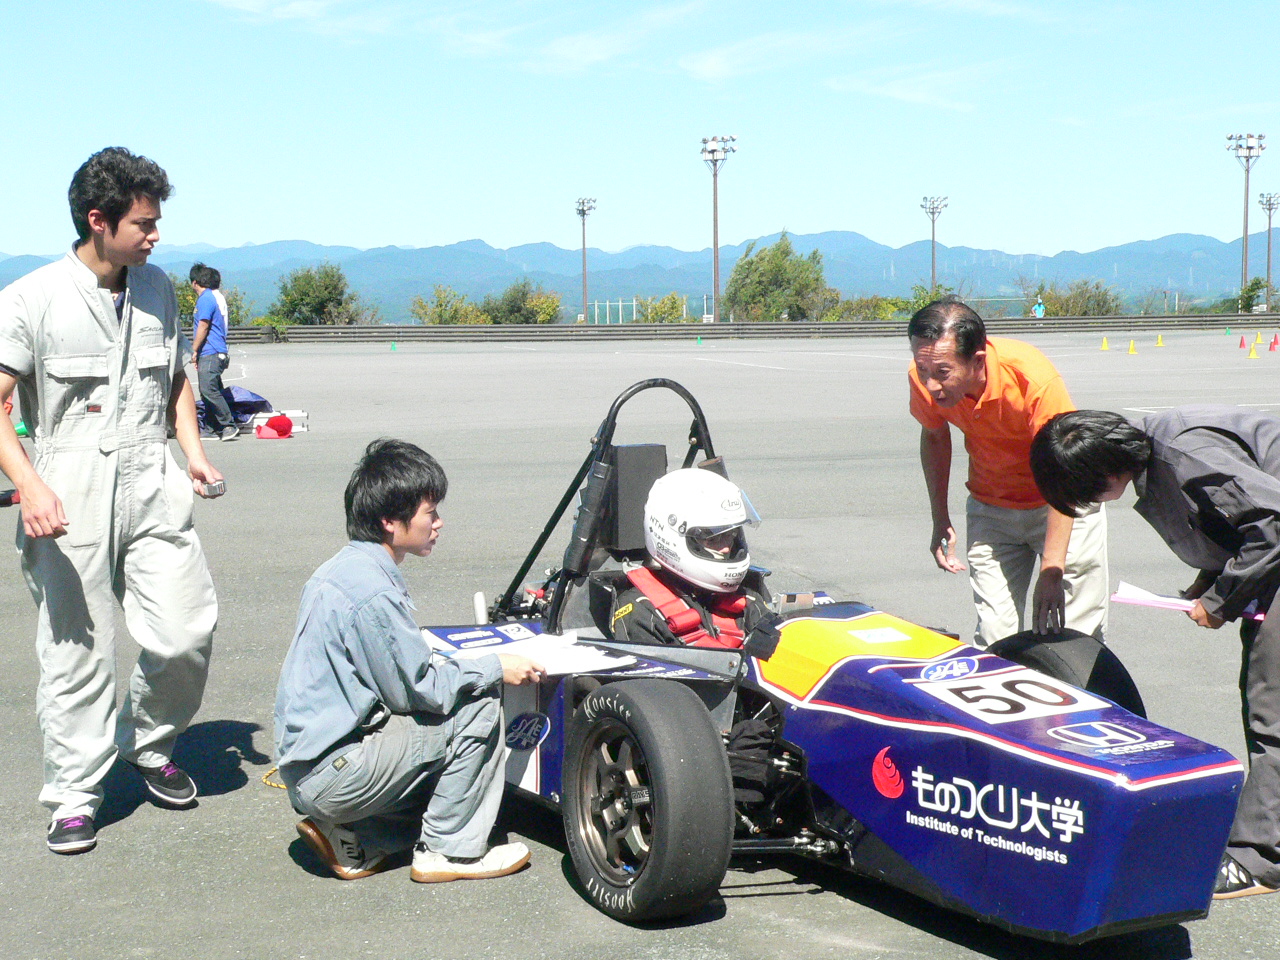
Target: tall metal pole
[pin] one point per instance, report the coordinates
(933, 206)
(585, 206)
(715, 151)
(1248, 148)
(1269, 202)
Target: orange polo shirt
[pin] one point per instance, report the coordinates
(1024, 391)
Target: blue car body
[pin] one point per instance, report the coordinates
(971, 781)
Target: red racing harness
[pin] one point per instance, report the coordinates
(685, 621)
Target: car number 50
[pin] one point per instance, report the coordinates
(1020, 694)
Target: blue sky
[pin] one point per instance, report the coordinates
(1050, 124)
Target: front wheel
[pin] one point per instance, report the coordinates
(648, 800)
(1076, 658)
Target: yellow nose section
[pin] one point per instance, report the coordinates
(811, 646)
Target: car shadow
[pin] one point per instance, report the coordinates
(1171, 942)
(535, 822)
(213, 752)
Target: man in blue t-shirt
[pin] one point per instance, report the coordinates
(210, 347)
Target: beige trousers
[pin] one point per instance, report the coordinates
(1004, 546)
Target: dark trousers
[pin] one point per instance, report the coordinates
(217, 413)
(1255, 834)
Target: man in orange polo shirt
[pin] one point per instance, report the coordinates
(999, 392)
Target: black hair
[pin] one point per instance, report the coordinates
(1076, 455)
(935, 320)
(110, 181)
(206, 276)
(389, 483)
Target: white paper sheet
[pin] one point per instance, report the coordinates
(560, 655)
(1128, 593)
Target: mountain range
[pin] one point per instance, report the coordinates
(1195, 267)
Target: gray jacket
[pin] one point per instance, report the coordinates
(357, 648)
(1212, 491)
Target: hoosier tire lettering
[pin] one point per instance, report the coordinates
(648, 800)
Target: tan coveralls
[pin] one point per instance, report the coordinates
(95, 391)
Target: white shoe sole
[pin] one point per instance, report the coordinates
(460, 872)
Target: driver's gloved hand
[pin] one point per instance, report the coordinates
(763, 638)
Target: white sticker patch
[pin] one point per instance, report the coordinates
(515, 631)
(880, 635)
(1012, 695)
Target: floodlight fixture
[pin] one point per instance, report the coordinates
(715, 151)
(1247, 148)
(933, 206)
(585, 206)
(1269, 202)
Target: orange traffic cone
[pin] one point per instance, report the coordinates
(1274, 344)
(1242, 343)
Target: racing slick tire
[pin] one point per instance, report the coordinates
(1076, 658)
(648, 800)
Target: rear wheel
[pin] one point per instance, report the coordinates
(648, 801)
(1076, 658)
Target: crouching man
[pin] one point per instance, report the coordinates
(385, 747)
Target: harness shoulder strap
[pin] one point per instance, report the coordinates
(684, 621)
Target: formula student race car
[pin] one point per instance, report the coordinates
(1011, 785)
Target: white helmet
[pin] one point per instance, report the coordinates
(687, 507)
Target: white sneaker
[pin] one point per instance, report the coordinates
(432, 867)
(340, 849)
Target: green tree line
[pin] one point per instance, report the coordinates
(767, 284)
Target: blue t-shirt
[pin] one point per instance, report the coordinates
(208, 309)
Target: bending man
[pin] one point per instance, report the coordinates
(999, 392)
(1208, 481)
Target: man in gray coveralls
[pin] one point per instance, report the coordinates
(1208, 481)
(93, 344)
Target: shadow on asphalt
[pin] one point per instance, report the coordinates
(213, 753)
(1164, 943)
(543, 826)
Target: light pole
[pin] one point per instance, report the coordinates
(933, 206)
(715, 151)
(1269, 202)
(585, 206)
(1248, 148)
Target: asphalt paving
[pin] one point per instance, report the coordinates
(816, 431)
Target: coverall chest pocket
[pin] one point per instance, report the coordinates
(75, 387)
(153, 376)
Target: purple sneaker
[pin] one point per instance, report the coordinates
(72, 835)
(169, 784)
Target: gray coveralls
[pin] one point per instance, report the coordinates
(1212, 491)
(94, 390)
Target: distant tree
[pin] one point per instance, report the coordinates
(447, 306)
(867, 309)
(522, 302)
(776, 283)
(922, 296)
(319, 295)
(1248, 298)
(668, 309)
(1081, 298)
(1151, 301)
(238, 305)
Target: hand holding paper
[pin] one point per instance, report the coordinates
(1128, 593)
